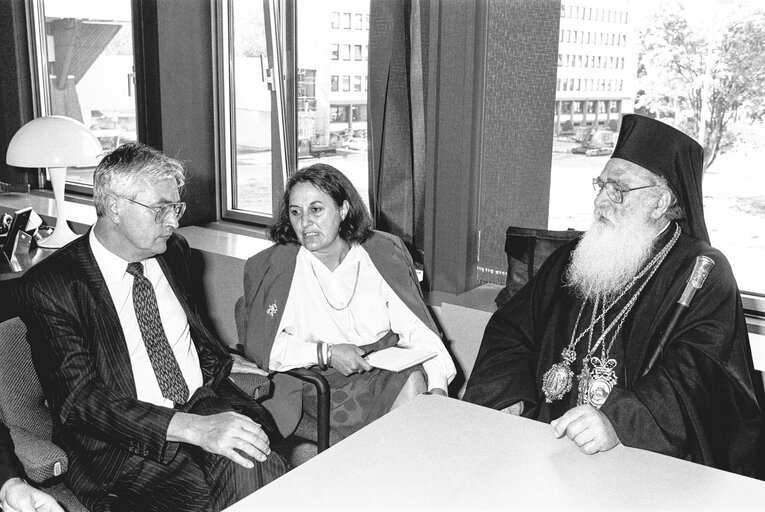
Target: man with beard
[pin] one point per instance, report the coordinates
(573, 346)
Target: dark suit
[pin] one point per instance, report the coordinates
(115, 442)
(10, 467)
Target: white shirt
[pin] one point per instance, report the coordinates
(374, 310)
(174, 321)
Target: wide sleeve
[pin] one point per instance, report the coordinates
(66, 363)
(699, 401)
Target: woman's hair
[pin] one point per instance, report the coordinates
(130, 168)
(357, 225)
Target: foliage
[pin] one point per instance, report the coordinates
(709, 79)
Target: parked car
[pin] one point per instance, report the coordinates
(356, 144)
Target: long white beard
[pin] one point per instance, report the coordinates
(610, 254)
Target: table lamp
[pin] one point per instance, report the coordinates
(54, 142)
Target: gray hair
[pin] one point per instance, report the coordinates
(130, 168)
(674, 210)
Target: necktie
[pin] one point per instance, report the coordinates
(171, 381)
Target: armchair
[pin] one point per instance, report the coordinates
(305, 374)
(24, 411)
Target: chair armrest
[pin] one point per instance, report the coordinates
(41, 458)
(322, 403)
(253, 385)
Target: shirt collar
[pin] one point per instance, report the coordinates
(112, 267)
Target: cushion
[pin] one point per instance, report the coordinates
(23, 406)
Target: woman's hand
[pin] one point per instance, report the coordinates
(346, 358)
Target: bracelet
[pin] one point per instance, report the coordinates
(320, 356)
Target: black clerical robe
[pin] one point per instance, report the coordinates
(700, 401)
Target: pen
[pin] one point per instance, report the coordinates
(365, 354)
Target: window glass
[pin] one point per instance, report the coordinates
(87, 56)
(250, 173)
(712, 41)
(338, 122)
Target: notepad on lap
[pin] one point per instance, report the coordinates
(396, 359)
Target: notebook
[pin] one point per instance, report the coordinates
(396, 359)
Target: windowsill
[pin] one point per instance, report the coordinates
(224, 238)
(240, 242)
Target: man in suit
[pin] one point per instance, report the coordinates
(15, 493)
(139, 387)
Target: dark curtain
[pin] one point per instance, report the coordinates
(398, 59)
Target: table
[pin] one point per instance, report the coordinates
(438, 453)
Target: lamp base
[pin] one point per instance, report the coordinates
(61, 236)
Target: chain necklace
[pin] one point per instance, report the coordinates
(558, 380)
(353, 294)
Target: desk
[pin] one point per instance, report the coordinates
(439, 454)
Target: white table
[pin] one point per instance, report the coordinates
(437, 453)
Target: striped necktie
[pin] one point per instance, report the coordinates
(171, 381)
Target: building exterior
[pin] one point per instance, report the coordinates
(597, 59)
(332, 72)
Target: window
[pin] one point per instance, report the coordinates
(357, 52)
(306, 90)
(359, 19)
(85, 61)
(269, 130)
(338, 114)
(357, 83)
(359, 113)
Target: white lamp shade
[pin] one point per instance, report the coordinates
(53, 141)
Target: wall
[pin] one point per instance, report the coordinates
(517, 134)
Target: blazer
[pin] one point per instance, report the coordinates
(80, 355)
(10, 467)
(267, 281)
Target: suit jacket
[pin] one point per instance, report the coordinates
(267, 281)
(10, 467)
(80, 355)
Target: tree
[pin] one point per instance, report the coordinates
(703, 80)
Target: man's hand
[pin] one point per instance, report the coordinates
(346, 358)
(516, 409)
(588, 428)
(242, 365)
(226, 433)
(18, 496)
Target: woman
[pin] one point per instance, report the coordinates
(327, 292)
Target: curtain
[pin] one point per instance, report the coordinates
(398, 58)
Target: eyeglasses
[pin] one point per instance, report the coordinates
(162, 212)
(614, 192)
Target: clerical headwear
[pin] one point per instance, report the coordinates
(670, 153)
